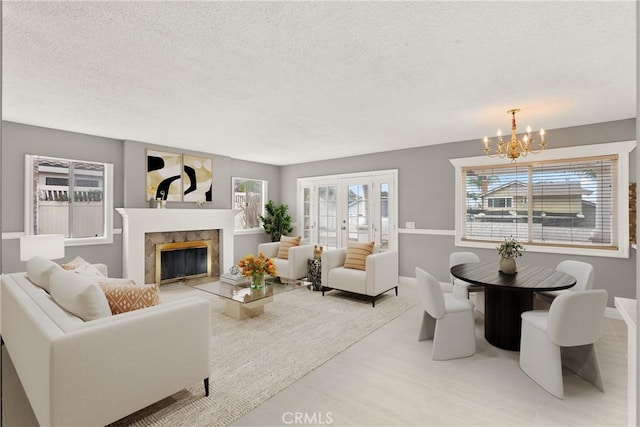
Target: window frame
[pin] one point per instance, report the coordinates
(107, 211)
(621, 149)
(265, 198)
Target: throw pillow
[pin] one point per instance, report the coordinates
(82, 267)
(357, 255)
(39, 271)
(79, 295)
(124, 295)
(285, 244)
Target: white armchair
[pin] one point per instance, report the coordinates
(293, 268)
(380, 274)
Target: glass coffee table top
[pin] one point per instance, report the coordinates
(243, 293)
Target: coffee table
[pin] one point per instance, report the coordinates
(242, 302)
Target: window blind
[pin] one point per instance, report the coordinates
(569, 202)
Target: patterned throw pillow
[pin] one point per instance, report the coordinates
(285, 244)
(124, 295)
(357, 255)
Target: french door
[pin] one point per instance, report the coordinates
(354, 207)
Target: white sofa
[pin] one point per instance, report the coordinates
(380, 274)
(78, 373)
(293, 268)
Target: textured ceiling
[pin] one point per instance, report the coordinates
(290, 82)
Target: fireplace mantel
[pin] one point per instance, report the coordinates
(138, 221)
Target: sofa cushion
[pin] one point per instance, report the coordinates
(357, 254)
(79, 295)
(82, 267)
(286, 243)
(39, 271)
(124, 295)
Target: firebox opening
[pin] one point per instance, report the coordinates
(182, 261)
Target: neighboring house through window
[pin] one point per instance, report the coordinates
(69, 197)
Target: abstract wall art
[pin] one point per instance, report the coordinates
(197, 179)
(164, 176)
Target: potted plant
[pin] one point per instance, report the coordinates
(509, 250)
(277, 221)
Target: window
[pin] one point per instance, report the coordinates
(556, 204)
(249, 196)
(69, 197)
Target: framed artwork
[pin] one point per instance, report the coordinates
(197, 179)
(164, 176)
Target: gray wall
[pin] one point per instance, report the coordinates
(129, 159)
(18, 140)
(425, 176)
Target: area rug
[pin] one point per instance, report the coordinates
(254, 359)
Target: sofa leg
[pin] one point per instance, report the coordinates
(206, 387)
(396, 291)
(373, 302)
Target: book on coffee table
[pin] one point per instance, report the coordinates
(234, 279)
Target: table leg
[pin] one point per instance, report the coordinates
(502, 321)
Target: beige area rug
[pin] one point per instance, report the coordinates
(254, 359)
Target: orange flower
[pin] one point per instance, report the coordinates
(251, 265)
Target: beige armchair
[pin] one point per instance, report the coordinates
(293, 268)
(379, 276)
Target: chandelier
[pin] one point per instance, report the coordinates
(516, 147)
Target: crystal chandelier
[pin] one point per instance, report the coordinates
(516, 147)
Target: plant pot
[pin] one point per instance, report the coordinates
(508, 265)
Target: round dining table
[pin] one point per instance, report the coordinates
(507, 296)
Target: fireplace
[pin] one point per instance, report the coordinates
(180, 242)
(167, 226)
(182, 261)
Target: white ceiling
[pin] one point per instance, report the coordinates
(290, 82)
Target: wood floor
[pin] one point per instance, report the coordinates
(389, 379)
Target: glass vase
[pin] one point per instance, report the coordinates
(257, 281)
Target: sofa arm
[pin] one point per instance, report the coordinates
(114, 366)
(298, 256)
(331, 258)
(270, 250)
(382, 272)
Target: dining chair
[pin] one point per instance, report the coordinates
(582, 271)
(461, 288)
(446, 319)
(563, 335)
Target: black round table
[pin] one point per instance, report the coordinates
(507, 296)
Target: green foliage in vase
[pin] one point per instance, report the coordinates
(510, 248)
(277, 221)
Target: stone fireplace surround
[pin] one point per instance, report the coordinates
(137, 222)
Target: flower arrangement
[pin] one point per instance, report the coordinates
(510, 248)
(257, 267)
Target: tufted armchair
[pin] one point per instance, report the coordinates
(379, 276)
(293, 268)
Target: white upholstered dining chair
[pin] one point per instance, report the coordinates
(563, 335)
(461, 288)
(446, 318)
(582, 271)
